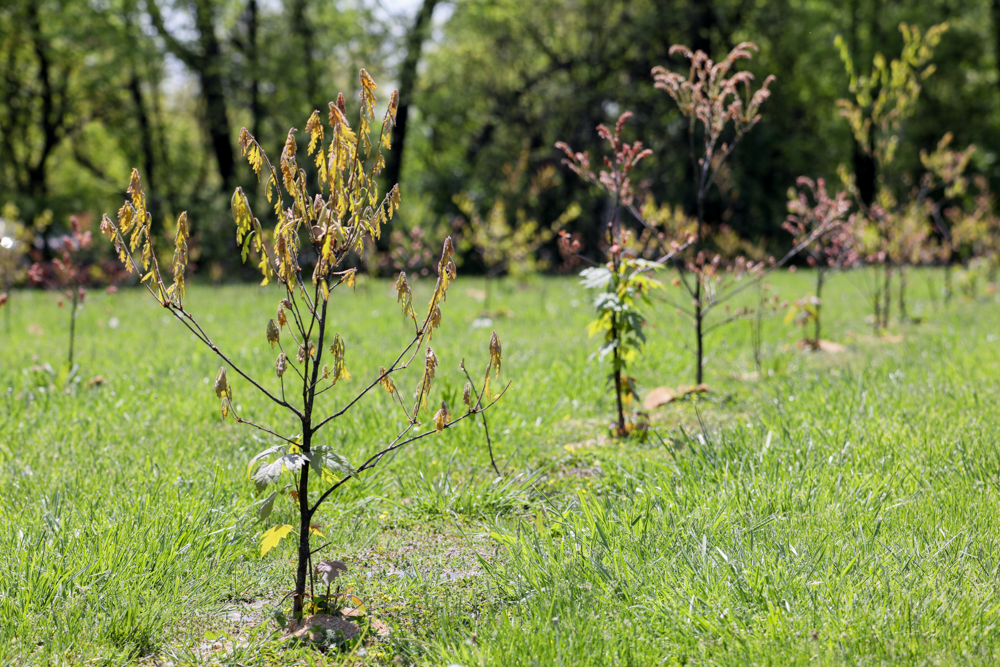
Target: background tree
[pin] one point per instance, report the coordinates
(813, 213)
(487, 79)
(712, 98)
(882, 101)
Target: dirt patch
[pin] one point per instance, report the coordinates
(331, 629)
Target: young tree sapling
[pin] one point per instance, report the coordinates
(319, 224)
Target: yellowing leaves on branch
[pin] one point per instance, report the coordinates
(319, 221)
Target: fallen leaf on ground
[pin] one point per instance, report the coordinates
(477, 294)
(663, 395)
(657, 397)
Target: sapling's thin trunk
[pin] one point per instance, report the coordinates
(931, 287)
(302, 571)
(72, 322)
(820, 276)
(310, 379)
(699, 311)
(902, 293)
(887, 295)
(947, 283)
(757, 328)
(876, 300)
(620, 427)
(698, 320)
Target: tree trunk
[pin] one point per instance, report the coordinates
(876, 300)
(758, 323)
(148, 149)
(305, 519)
(995, 11)
(703, 21)
(53, 121)
(302, 28)
(212, 80)
(72, 321)
(209, 64)
(620, 426)
(407, 83)
(947, 283)
(256, 109)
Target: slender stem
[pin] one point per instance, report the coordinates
(72, 322)
(887, 294)
(620, 426)
(757, 328)
(820, 275)
(240, 420)
(486, 427)
(291, 363)
(902, 293)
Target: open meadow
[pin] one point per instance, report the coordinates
(617, 332)
(839, 508)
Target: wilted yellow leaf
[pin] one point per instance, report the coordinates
(272, 537)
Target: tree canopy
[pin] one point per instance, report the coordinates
(90, 89)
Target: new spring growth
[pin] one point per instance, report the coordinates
(441, 417)
(272, 332)
(330, 569)
(224, 391)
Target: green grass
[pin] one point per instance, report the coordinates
(840, 510)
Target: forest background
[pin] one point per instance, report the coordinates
(91, 88)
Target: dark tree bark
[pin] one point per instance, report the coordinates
(256, 108)
(303, 29)
(53, 99)
(145, 130)
(407, 82)
(865, 167)
(703, 20)
(995, 11)
(208, 63)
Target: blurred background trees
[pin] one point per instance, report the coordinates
(90, 88)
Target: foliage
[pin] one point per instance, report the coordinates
(977, 227)
(67, 273)
(882, 102)
(711, 100)
(507, 240)
(334, 218)
(12, 250)
(812, 213)
(886, 97)
(622, 283)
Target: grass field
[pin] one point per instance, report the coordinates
(841, 509)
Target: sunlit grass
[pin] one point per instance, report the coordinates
(841, 509)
